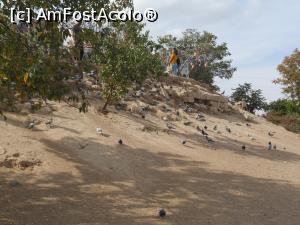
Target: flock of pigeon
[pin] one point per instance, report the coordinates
(203, 132)
(162, 212)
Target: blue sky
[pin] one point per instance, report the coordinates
(259, 33)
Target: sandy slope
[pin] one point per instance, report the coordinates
(89, 179)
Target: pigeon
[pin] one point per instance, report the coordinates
(228, 130)
(244, 147)
(162, 213)
(31, 125)
(199, 116)
(204, 133)
(99, 131)
(184, 142)
(120, 142)
(49, 123)
(205, 127)
(215, 128)
(143, 117)
(248, 125)
(209, 140)
(178, 113)
(270, 134)
(170, 126)
(83, 146)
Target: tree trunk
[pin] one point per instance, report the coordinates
(106, 102)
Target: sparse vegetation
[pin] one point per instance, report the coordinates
(286, 112)
(253, 98)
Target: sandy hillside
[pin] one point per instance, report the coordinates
(67, 173)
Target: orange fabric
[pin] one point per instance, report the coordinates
(173, 58)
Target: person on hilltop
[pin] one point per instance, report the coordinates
(173, 62)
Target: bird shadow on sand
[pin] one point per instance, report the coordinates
(127, 185)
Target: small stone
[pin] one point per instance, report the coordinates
(16, 155)
(14, 183)
(2, 151)
(187, 123)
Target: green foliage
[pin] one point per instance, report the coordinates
(253, 98)
(193, 41)
(124, 58)
(285, 112)
(36, 63)
(284, 107)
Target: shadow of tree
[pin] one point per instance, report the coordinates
(123, 185)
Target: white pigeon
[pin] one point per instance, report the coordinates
(99, 131)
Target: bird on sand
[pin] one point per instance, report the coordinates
(215, 128)
(49, 122)
(170, 126)
(228, 129)
(120, 142)
(204, 133)
(184, 142)
(205, 127)
(31, 125)
(199, 129)
(162, 213)
(244, 147)
(209, 140)
(270, 134)
(99, 131)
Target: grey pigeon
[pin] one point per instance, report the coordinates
(49, 123)
(209, 140)
(199, 129)
(199, 116)
(228, 130)
(31, 125)
(170, 126)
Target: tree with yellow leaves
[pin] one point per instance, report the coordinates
(290, 71)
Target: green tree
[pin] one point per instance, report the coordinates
(284, 107)
(253, 98)
(290, 72)
(124, 58)
(218, 64)
(33, 59)
(36, 63)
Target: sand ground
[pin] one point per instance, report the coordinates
(89, 179)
